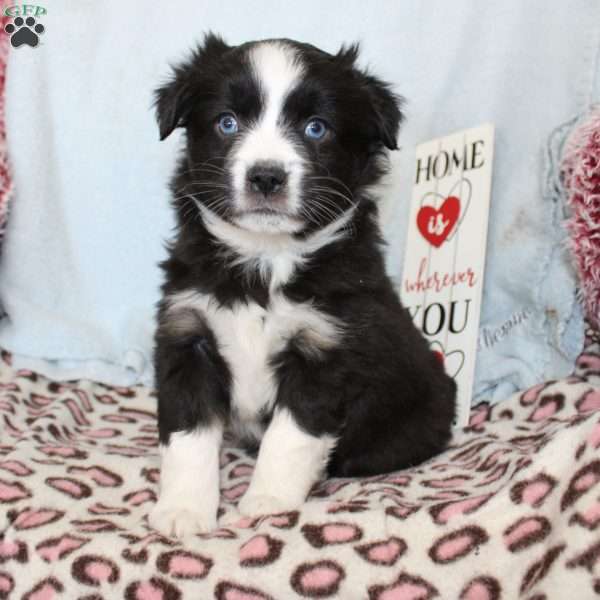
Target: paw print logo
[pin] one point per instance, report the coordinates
(24, 31)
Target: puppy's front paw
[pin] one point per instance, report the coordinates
(253, 505)
(181, 521)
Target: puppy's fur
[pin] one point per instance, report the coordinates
(278, 320)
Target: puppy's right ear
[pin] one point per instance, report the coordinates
(174, 100)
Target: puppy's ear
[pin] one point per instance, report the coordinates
(174, 99)
(386, 111)
(384, 104)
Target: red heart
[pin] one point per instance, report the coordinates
(436, 224)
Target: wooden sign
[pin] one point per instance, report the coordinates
(444, 262)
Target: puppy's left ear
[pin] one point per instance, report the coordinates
(387, 116)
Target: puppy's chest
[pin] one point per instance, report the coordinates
(249, 336)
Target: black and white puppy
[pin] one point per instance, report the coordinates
(278, 321)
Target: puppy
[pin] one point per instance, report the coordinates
(278, 321)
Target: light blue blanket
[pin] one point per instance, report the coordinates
(78, 276)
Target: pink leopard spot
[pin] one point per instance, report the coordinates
(479, 416)
(444, 512)
(11, 492)
(255, 549)
(241, 471)
(71, 487)
(533, 491)
(182, 564)
(585, 482)
(454, 548)
(590, 402)
(15, 467)
(8, 549)
(284, 520)
(401, 511)
(94, 570)
(446, 495)
(448, 482)
(589, 361)
(230, 591)
(46, 592)
(260, 551)
(336, 534)
(481, 588)
(99, 475)
(385, 553)
(6, 584)
(29, 519)
(64, 451)
(234, 492)
(241, 595)
(404, 591)
(317, 579)
(406, 587)
(137, 498)
(530, 396)
(457, 544)
(56, 548)
(146, 591)
(525, 532)
(331, 533)
(103, 433)
(279, 521)
(244, 522)
(592, 514)
(94, 525)
(397, 479)
(544, 411)
(382, 553)
(594, 437)
(98, 571)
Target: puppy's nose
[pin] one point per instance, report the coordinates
(267, 178)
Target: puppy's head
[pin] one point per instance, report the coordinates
(281, 136)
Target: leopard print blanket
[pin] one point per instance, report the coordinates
(510, 510)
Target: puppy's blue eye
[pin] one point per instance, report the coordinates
(228, 124)
(315, 129)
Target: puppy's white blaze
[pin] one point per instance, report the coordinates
(189, 481)
(289, 462)
(248, 335)
(274, 256)
(277, 70)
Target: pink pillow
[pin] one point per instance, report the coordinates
(581, 178)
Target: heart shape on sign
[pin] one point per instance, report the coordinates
(438, 225)
(453, 361)
(435, 224)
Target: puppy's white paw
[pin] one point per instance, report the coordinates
(253, 505)
(181, 521)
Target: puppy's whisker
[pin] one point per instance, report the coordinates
(323, 211)
(334, 179)
(327, 204)
(329, 190)
(199, 192)
(206, 169)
